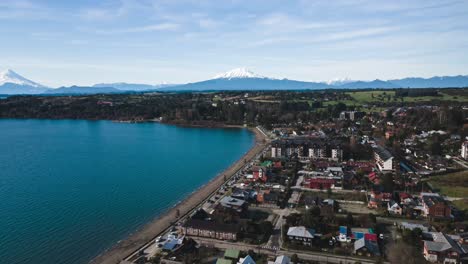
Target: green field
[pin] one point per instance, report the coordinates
(452, 185)
(461, 204)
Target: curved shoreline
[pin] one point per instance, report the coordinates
(126, 247)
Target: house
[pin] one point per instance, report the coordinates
(329, 178)
(366, 247)
(378, 198)
(434, 206)
(443, 248)
(242, 194)
(247, 260)
(301, 234)
(374, 178)
(358, 233)
(210, 229)
(233, 203)
(383, 158)
(259, 173)
(173, 242)
(394, 208)
(281, 260)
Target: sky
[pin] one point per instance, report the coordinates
(83, 42)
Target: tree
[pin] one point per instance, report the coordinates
(294, 258)
(402, 252)
(387, 182)
(350, 219)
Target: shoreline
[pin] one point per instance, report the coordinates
(149, 231)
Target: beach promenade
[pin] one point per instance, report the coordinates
(148, 232)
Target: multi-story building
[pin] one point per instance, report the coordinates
(383, 158)
(352, 115)
(307, 148)
(434, 206)
(464, 150)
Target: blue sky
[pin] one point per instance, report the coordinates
(58, 42)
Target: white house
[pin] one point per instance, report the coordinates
(394, 208)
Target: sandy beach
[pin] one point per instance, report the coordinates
(151, 230)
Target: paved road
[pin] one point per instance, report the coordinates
(461, 162)
(300, 188)
(305, 255)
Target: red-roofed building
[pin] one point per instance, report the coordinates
(374, 178)
(278, 165)
(259, 174)
(319, 183)
(371, 237)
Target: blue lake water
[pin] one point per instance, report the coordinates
(70, 189)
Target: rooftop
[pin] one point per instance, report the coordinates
(301, 231)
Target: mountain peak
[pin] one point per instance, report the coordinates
(238, 73)
(339, 81)
(9, 76)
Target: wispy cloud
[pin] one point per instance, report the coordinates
(139, 29)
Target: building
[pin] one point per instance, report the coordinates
(301, 234)
(307, 148)
(336, 153)
(464, 150)
(233, 203)
(443, 248)
(281, 260)
(394, 208)
(351, 115)
(259, 173)
(330, 178)
(210, 229)
(247, 260)
(434, 206)
(366, 247)
(383, 159)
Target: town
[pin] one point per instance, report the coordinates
(380, 183)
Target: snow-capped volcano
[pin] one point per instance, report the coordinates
(339, 81)
(238, 73)
(10, 76)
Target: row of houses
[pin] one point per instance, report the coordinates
(444, 248)
(429, 205)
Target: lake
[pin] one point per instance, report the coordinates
(70, 189)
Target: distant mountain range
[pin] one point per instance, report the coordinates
(134, 86)
(237, 79)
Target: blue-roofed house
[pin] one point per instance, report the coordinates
(363, 247)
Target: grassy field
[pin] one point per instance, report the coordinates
(461, 204)
(369, 97)
(453, 184)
